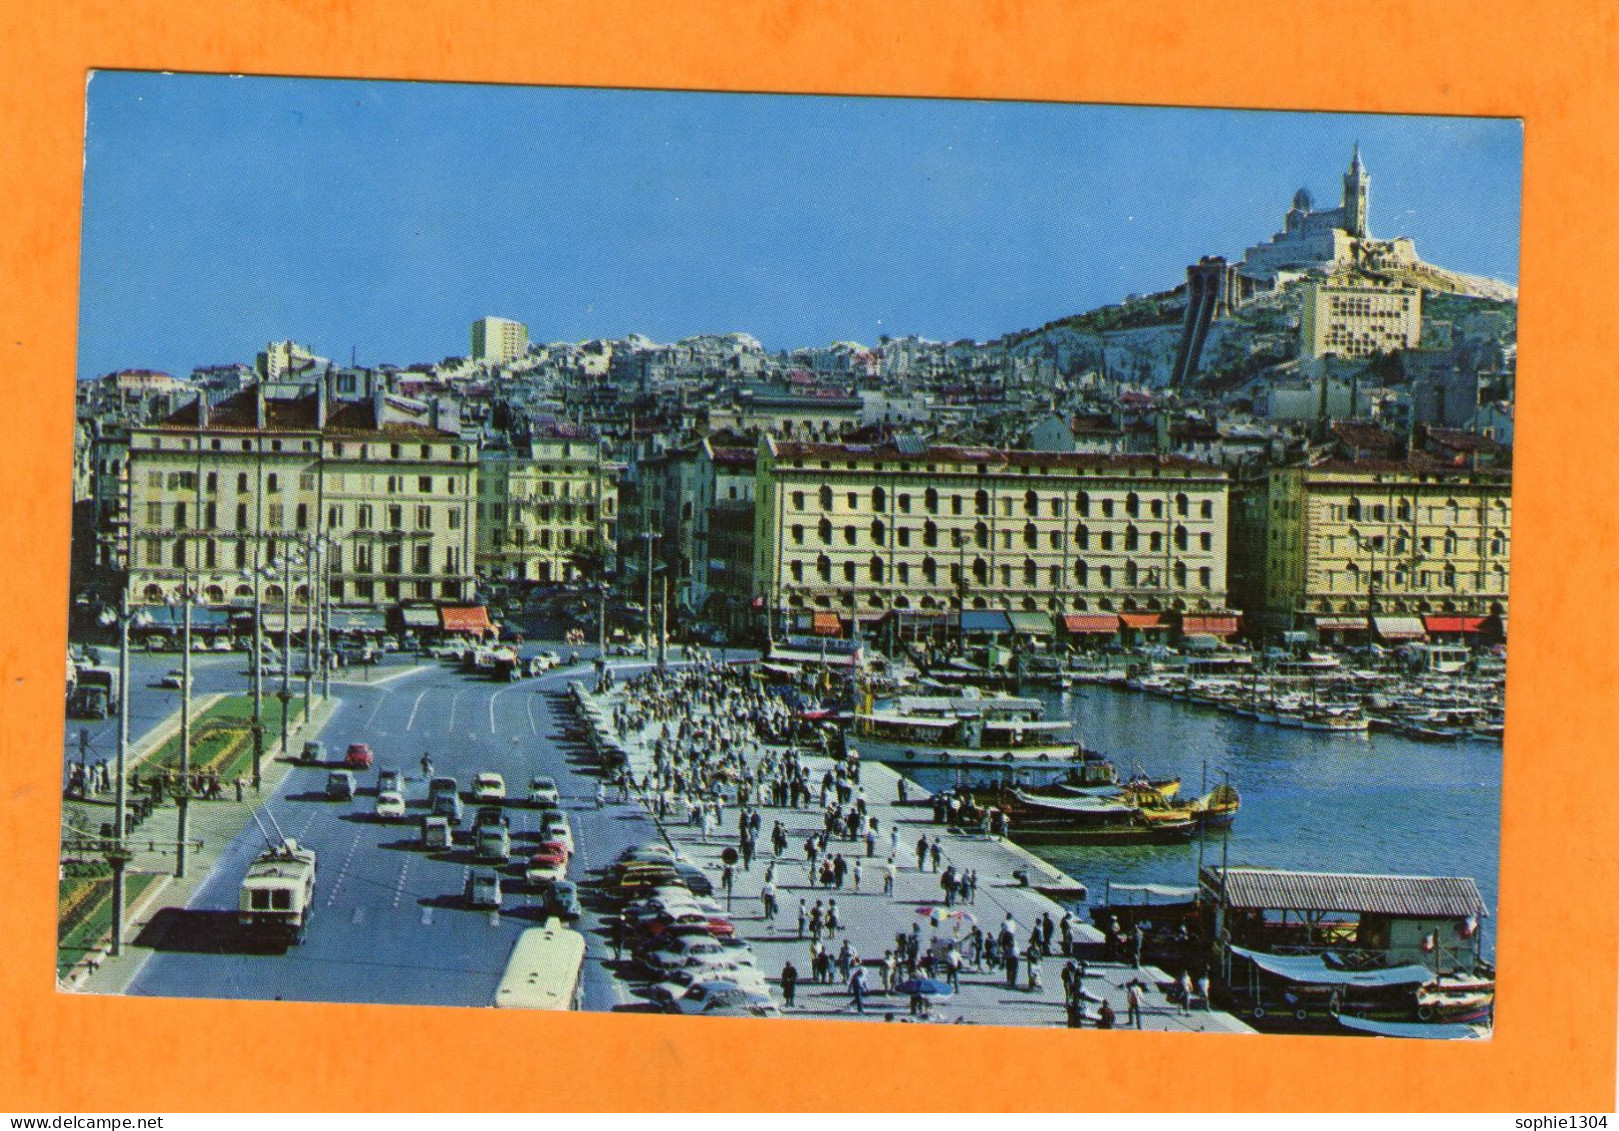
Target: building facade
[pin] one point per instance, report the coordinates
(217, 492)
(498, 341)
(869, 528)
(1359, 319)
(547, 507)
(1372, 537)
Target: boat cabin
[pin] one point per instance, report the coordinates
(1363, 920)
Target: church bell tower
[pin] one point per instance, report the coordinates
(1357, 188)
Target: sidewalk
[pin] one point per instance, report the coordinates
(216, 824)
(872, 919)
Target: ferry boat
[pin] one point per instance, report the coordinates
(966, 726)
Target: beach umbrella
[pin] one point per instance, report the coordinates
(927, 987)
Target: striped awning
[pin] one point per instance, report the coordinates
(1454, 624)
(1142, 620)
(1399, 628)
(827, 624)
(1221, 625)
(1093, 623)
(1340, 624)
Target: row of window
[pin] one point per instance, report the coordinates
(543, 512)
(276, 516)
(981, 503)
(540, 539)
(548, 488)
(392, 484)
(1404, 510)
(1131, 575)
(1355, 580)
(206, 553)
(364, 590)
(362, 451)
(982, 537)
(1493, 546)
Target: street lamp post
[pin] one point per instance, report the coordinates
(286, 648)
(326, 618)
(258, 576)
(312, 556)
(117, 852)
(601, 619)
(182, 796)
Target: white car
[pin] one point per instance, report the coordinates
(543, 793)
(224, 644)
(390, 805)
(720, 992)
(549, 660)
(174, 679)
(668, 991)
(695, 950)
(488, 788)
(555, 827)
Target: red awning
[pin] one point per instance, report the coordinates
(474, 620)
(1209, 626)
(1454, 624)
(1142, 620)
(827, 624)
(1092, 622)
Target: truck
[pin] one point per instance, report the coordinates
(95, 693)
(278, 893)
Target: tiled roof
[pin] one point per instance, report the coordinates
(1421, 897)
(999, 457)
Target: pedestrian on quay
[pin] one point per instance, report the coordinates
(815, 922)
(1132, 998)
(921, 853)
(937, 852)
(1066, 928)
(1105, 1017)
(803, 917)
(889, 870)
(952, 966)
(789, 984)
(857, 987)
(727, 881)
(1203, 990)
(767, 896)
(1011, 967)
(1031, 959)
(833, 923)
(855, 873)
(1185, 985)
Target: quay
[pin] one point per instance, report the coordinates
(872, 918)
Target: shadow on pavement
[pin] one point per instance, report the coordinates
(204, 932)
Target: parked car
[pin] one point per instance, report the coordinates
(543, 793)
(437, 834)
(174, 680)
(448, 806)
(389, 780)
(390, 805)
(224, 644)
(340, 785)
(483, 889)
(550, 660)
(562, 901)
(492, 842)
(358, 756)
(439, 786)
(666, 992)
(489, 787)
(723, 996)
(545, 867)
(689, 950)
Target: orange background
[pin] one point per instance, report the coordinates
(1554, 64)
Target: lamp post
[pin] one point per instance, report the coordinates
(285, 695)
(116, 852)
(258, 577)
(182, 796)
(332, 543)
(601, 620)
(650, 537)
(312, 556)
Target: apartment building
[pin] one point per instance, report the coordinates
(859, 529)
(218, 491)
(546, 504)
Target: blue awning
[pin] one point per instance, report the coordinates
(985, 620)
(168, 618)
(1433, 1031)
(1312, 969)
(354, 620)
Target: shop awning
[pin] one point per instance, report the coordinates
(1032, 624)
(1209, 625)
(1142, 620)
(1099, 623)
(1454, 624)
(1399, 628)
(419, 616)
(170, 618)
(1312, 969)
(985, 620)
(472, 619)
(358, 620)
(827, 624)
(1340, 624)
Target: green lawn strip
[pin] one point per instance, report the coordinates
(93, 914)
(222, 737)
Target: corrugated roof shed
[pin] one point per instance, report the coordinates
(1418, 897)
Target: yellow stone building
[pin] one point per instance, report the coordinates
(545, 505)
(220, 491)
(1369, 537)
(853, 528)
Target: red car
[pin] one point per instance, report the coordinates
(653, 930)
(358, 756)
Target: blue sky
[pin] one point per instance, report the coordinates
(221, 213)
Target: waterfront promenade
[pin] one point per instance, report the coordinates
(872, 917)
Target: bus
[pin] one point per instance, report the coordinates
(545, 970)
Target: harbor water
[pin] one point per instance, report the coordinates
(1311, 801)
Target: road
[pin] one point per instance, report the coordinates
(390, 924)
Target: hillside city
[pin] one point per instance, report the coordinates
(868, 592)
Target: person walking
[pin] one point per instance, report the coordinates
(803, 917)
(789, 984)
(1031, 960)
(921, 853)
(952, 967)
(833, 923)
(1203, 990)
(889, 869)
(1185, 992)
(1011, 967)
(1132, 1000)
(767, 896)
(936, 850)
(857, 987)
